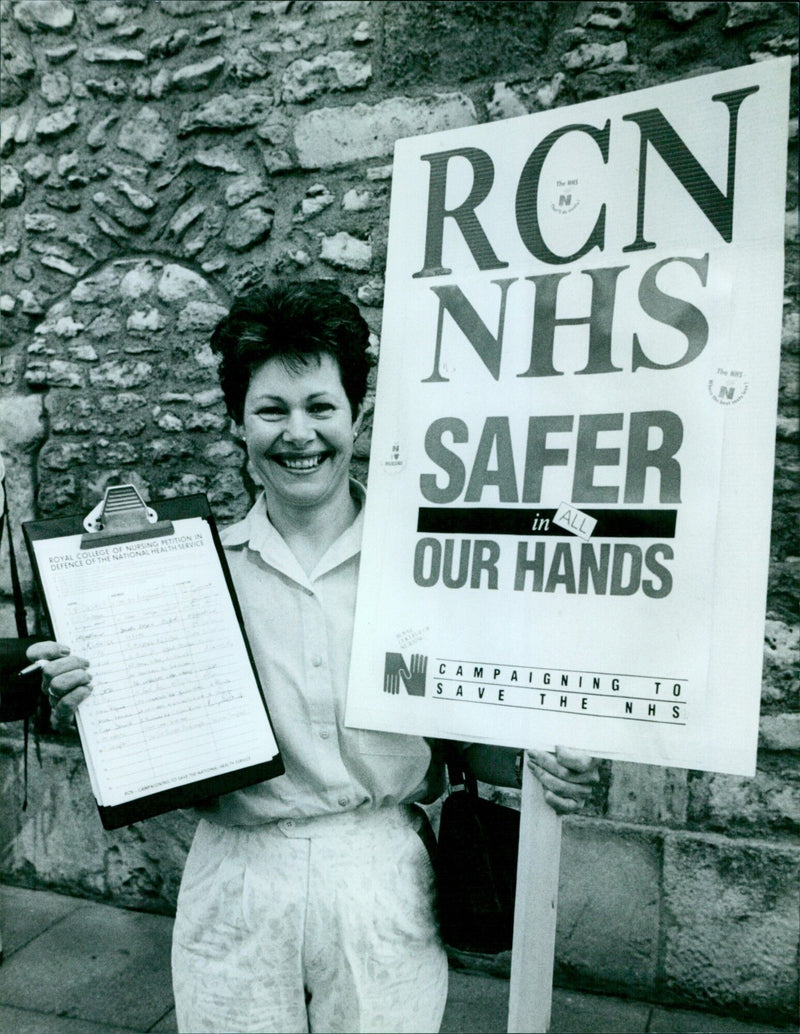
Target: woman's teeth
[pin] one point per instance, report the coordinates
(304, 463)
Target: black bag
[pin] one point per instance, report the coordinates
(20, 695)
(476, 867)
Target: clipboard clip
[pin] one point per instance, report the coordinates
(122, 516)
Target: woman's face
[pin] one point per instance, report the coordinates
(299, 430)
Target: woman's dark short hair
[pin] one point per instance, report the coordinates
(296, 322)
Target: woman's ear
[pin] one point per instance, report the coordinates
(237, 431)
(358, 420)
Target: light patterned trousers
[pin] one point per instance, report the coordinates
(320, 925)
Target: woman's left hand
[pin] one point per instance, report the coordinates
(567, 776)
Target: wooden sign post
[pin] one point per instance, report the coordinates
(531, 990)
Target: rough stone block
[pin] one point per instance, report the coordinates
(346, 252)
(21, 428)
(245, 66)
(731, 923)
(608, 911)
(317, 199)
(198, 76)
(11, 814)
(647, 793)
(781, 649)
(61, 842)
(115, 87)
(338, 70)
(115, 453)
(437, 43)
(38, 167)
(63, 455)
(684, 13)
(371, 293)
(130, 218)
(61, 838)
(58, 123)
(7, 129)
(55, 87)
(105, 325)
(603, 15)
(146, 135)
(126, 374)
(593, 55)
(111, 15)
(359, 200)
(58, 55)
(57, 492)
(145, 321)
(17, 80)
(248, 227)
(505, 102)
(200, 316)
(178, 283)
(113, 56)
(769, 802)
(338, 136)
(57, 373)
(220, 157)
(242, 189)
(780, 732)
(743, 14)
(226, 112)
(97, 287)
(48, 15)
(190, 8)
(184, 219)
(61, 265)
(97, 136)
(136, 197)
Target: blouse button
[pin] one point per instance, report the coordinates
(316, 660)
(343, 802)
(324, 735)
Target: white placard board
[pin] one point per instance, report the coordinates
(567, 522)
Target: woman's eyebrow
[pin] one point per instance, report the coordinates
(268, 397)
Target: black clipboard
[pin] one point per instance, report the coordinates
(124, 517)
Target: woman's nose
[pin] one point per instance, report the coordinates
(298, 427)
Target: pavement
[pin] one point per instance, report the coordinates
(72, 966)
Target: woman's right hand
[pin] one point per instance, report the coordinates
(66, 680)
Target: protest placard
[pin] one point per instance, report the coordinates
(567, 525)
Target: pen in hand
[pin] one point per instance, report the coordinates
(36, 666)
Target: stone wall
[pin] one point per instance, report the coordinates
(160, 155)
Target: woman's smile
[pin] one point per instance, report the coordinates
(300, 464)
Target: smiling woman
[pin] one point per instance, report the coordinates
(307, 901)
(294, 366)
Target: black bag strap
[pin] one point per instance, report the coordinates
(21, 621)
(458, 774)
(19, 603)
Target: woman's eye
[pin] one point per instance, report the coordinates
(321, 408)
(269, 412)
